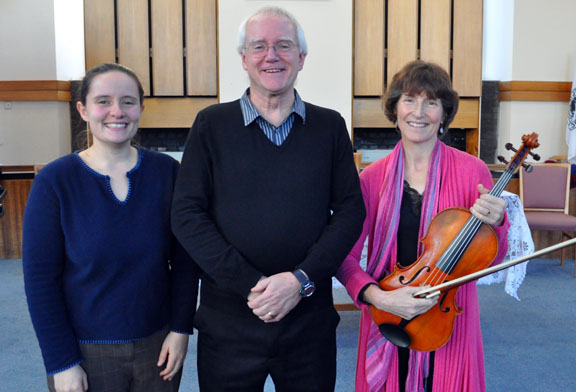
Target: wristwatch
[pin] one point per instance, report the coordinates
(306, 286)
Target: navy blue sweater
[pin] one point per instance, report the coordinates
(100, 270)
(244, 207)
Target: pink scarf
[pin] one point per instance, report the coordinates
(381, 353)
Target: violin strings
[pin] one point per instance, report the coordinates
(456, 249)
(454, 253)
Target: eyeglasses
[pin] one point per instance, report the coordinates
(261, 47)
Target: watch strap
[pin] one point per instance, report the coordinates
(306, 286)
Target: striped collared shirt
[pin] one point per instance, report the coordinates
(277, 135)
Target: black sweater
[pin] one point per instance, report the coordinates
(244, 207)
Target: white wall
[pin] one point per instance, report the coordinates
(32, 48)
(326, 78)
(69, 39)
(544, 49)
(27, 44)
(31, 132)
(497, 45)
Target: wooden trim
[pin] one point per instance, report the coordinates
(17, 169)
(12, 222)
(345, 307)
(172, 112)
(368, 113)
(35, 90)
(473, 141)
(534, 91)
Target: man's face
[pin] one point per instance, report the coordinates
(272, 71)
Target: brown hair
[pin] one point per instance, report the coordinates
(105, 68)
(419, 77)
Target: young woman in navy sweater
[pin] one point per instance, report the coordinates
(110, 291)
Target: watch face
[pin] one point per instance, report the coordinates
(307, 290)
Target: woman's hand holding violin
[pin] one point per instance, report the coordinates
(488, 208)
(400, 302)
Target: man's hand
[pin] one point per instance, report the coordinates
(274, 297)
(71, 380)
(174, 350)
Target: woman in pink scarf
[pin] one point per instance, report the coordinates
(402, 192)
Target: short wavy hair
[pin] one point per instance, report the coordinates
(419, 77)
(276, 11)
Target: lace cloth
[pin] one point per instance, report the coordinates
(520, 244)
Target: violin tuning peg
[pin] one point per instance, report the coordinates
(528, 168)
(535, 156)
(502, 159)
(509, 146)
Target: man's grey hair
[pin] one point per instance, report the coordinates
(276, 11)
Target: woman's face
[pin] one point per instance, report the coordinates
(113, 108)
(419, 118)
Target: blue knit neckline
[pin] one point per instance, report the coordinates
(106, 178)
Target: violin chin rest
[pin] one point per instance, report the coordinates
(395, 334)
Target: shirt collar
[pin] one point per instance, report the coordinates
(250, 113)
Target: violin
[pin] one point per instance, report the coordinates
(456, 244)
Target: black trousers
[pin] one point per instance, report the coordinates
(403, 358)
(237, 352)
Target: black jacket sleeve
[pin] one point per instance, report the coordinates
(348, 213)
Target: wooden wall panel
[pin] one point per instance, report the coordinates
(11, 222)
(402, 35)
(172, 112)
(99, 34)
(467, 48)
(167, 48)
(435, 22)
(369, 31)
(201, 48)
(133, 43)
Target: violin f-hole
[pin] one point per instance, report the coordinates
(402, 279)
(441, 303)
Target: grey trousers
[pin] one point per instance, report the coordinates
(125, 367)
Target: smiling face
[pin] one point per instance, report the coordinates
(419, 118)
(112, 108)
(271, 72)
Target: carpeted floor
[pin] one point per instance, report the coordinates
(529, 345)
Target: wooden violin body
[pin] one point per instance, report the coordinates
(431, 330)
(456, 244)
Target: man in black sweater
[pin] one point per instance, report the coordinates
(268, 203)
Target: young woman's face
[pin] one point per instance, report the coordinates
(419, 118)
(113, 108)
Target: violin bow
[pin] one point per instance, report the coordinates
(435, 291)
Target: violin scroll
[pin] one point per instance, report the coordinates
(529, 142)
